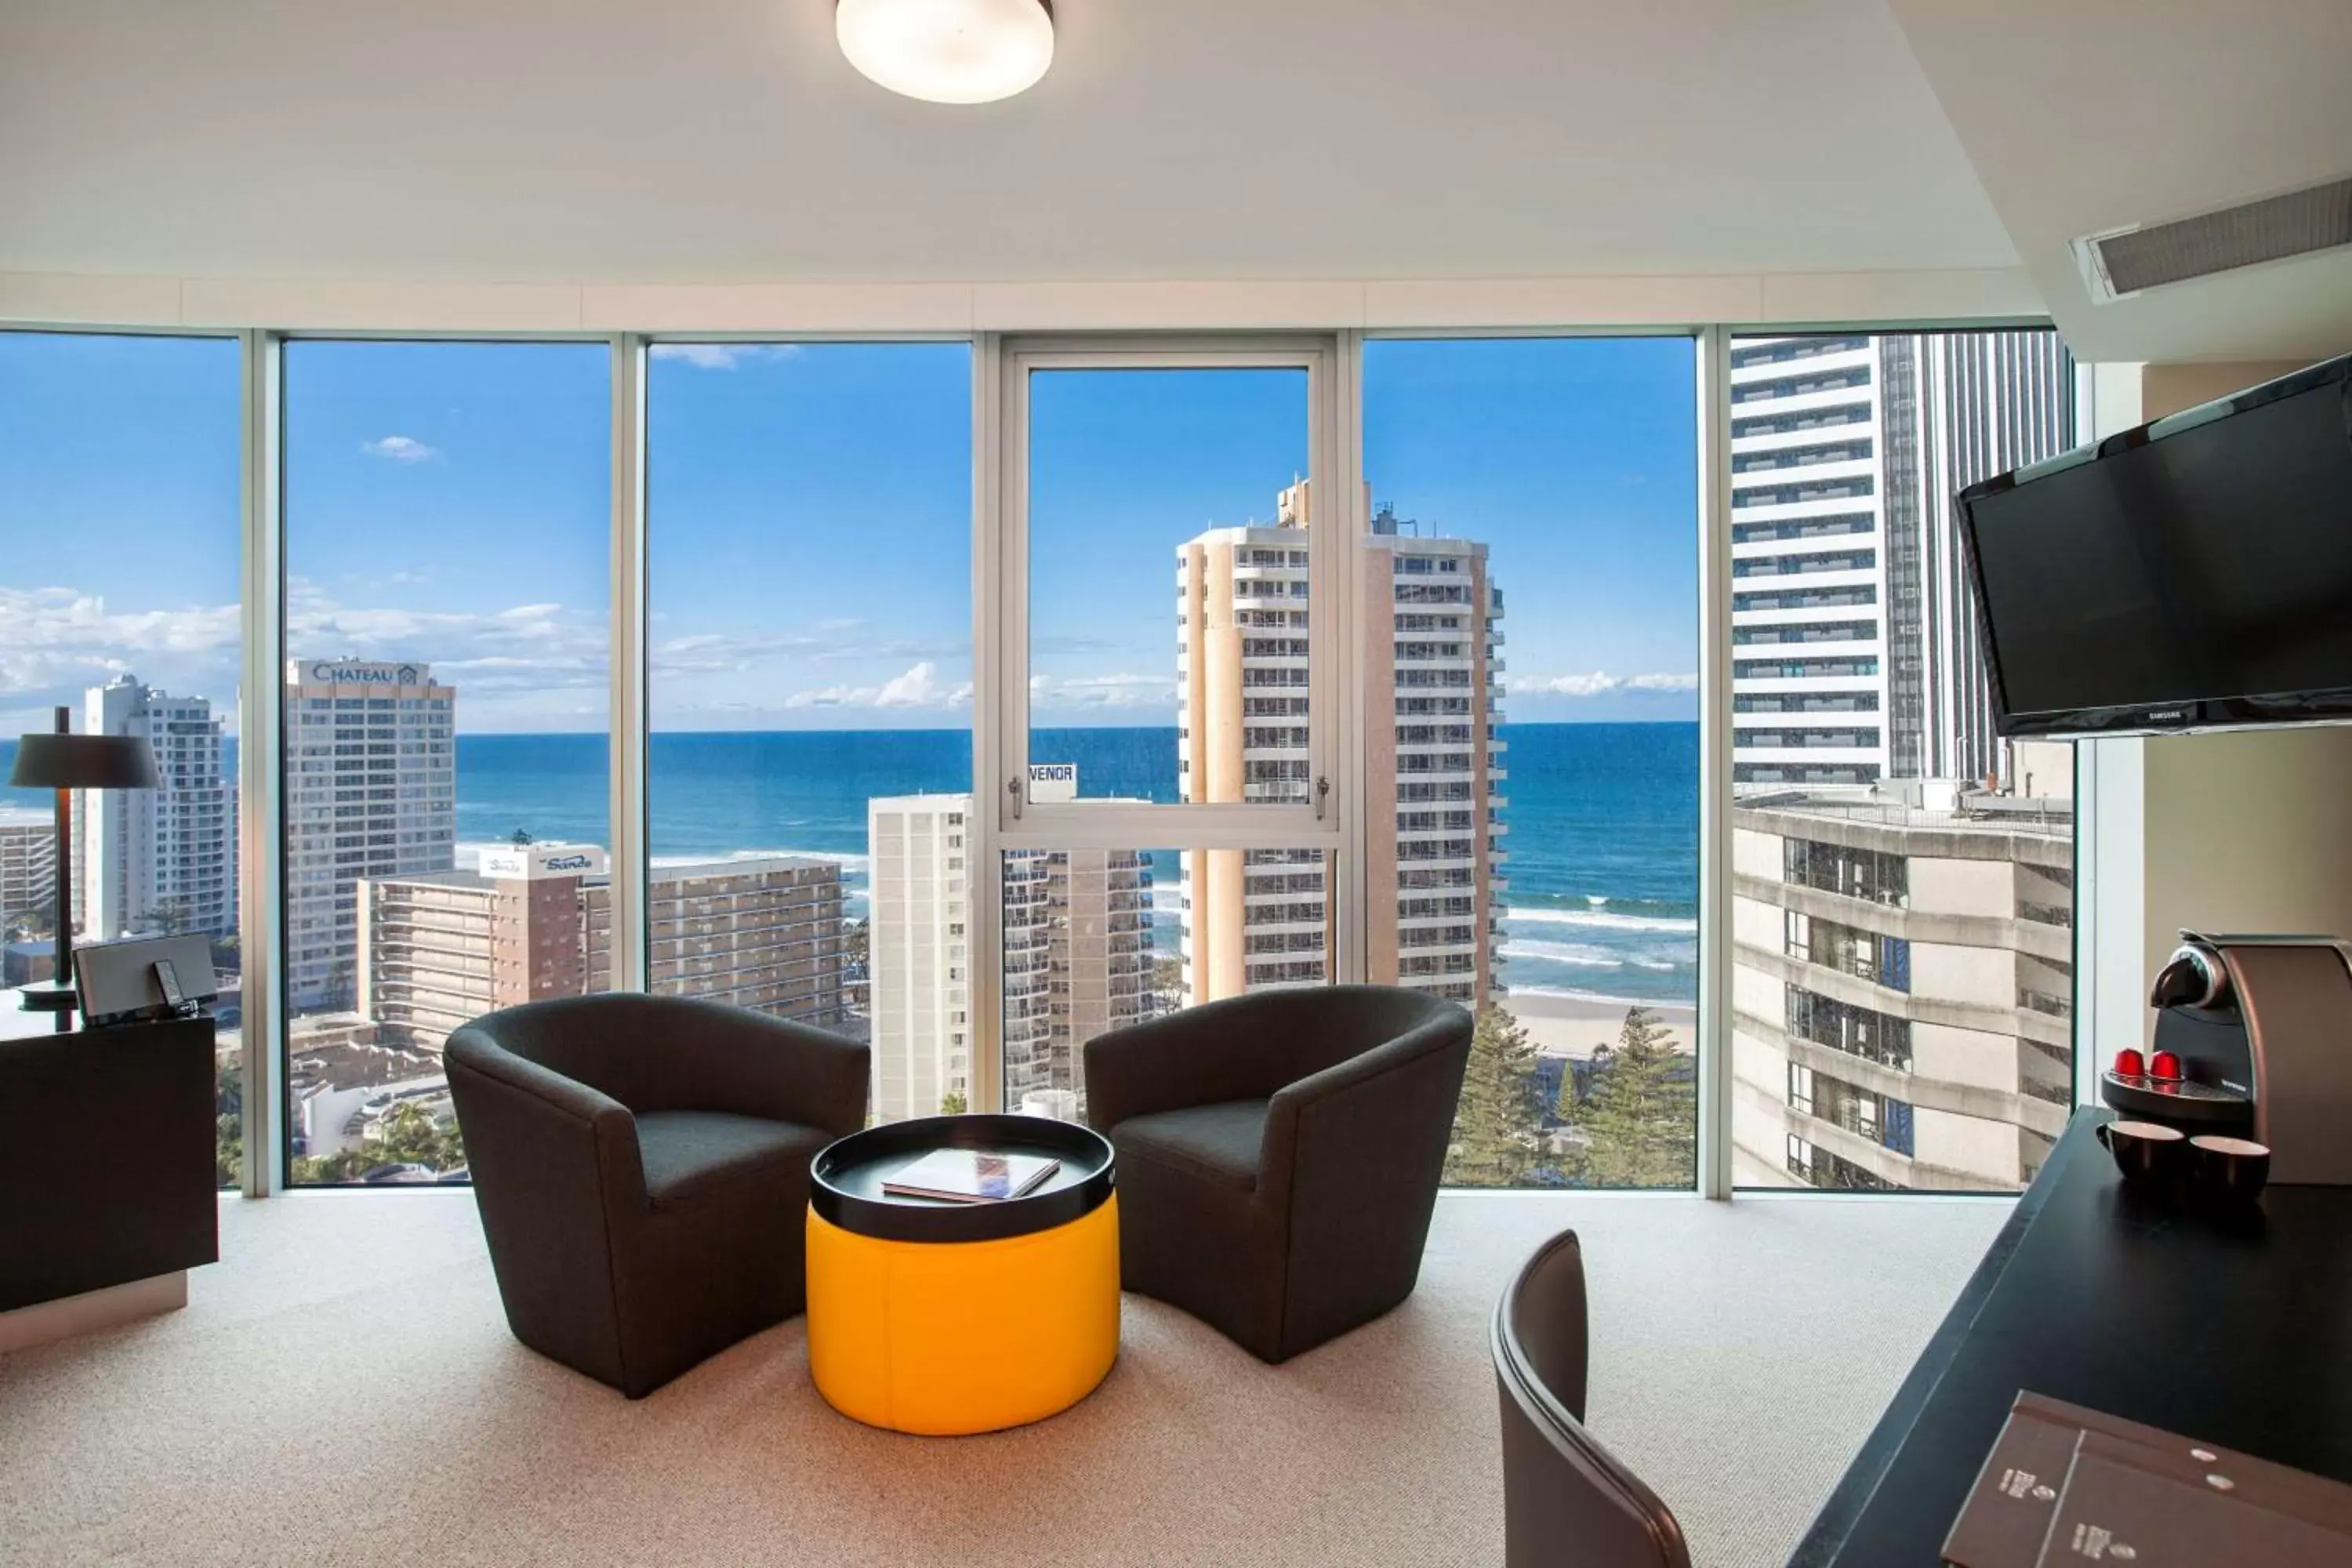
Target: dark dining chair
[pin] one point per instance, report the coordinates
(1566, 1499)
(642, 1168)
(1279, 1154)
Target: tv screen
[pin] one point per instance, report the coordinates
(2195, 572)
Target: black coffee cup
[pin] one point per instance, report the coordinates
(2147, 1153)
(2230, 1170)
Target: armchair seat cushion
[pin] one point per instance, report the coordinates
(690, 1153)
(1218, 1144)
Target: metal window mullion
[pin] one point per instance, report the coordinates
(1341, 689)
(261, 779)
(631, 869)
(994, 693)
(1715, 1043)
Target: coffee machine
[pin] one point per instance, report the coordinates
(2253, 1039)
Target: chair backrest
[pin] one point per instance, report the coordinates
(1566, 1499)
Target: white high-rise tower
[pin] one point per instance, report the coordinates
(165, 857)
(1854, 645)
(371, 792)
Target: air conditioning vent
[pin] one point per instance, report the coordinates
(2120, 264)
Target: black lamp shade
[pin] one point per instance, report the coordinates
(83, 762)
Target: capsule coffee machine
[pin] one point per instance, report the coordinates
(2253, 1039)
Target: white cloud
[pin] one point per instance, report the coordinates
(716, 653)
(401, 450)
(919, 687)
(522, 649)
(1600, 684)
(722, 356)
(1118, 690)
(62, 639)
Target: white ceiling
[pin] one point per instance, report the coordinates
(622, 141)
(728, 141)
(2089, 115)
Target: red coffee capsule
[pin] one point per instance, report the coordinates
(2129, 1063)
(2166, 1066)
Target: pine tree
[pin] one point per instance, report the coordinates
(1641, 1117)
(1496, 1124)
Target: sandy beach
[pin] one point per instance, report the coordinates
(1577, 1026)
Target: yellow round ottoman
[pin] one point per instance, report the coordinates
(944, 1318)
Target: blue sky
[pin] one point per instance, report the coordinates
(810, 512)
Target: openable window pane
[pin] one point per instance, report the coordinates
(1541, 869)
(1879, 1041)
(809, 516)
(1098, 939)
(1128, 468)
(120, 519)
(448, 532)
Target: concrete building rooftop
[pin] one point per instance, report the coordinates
(1971, 810)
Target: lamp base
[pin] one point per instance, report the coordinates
(50, 999)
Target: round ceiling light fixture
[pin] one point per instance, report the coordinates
(948, 51)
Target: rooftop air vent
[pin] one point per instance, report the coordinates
(2122, 262)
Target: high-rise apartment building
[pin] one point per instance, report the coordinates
(437, 950)
(161, 859)
(534, 920)
(919, 953)
(1856, 655)
(370, 793)
(28, 861)
(1078, 963)
(762, 933)
(1903, 985)
(1078, 959)
(1432, 665)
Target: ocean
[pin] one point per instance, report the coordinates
(1603, 821)
(1603, 840)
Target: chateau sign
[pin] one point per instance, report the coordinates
(360, 672)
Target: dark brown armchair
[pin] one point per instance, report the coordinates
(1565, 1498)
(642, 1168)
(1279, 1154)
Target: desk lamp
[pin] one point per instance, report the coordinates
(65, 763)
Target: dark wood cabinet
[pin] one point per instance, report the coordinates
(106, 1171)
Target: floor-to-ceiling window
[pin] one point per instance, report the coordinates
(121, 522)
(1531, 777)
(1174, 611)
(1493, 796)
(447, 540)
(1903, 879)
(809, 535)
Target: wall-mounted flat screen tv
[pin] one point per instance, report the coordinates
(2193, 574)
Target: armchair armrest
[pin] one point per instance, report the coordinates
(513, 1110)
(1400, 1070)
(1216, 1051)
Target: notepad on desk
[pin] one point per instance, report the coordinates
(971, 1176)
(2064, 1486)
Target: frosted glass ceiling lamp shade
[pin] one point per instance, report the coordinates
(948, 51)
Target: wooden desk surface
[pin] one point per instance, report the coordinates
(2239, 1332)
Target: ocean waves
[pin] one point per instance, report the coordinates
(1595, 919)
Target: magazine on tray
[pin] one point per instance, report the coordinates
(971, 1176)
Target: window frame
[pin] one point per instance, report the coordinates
(1335, 399)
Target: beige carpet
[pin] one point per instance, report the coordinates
(343, 1389)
